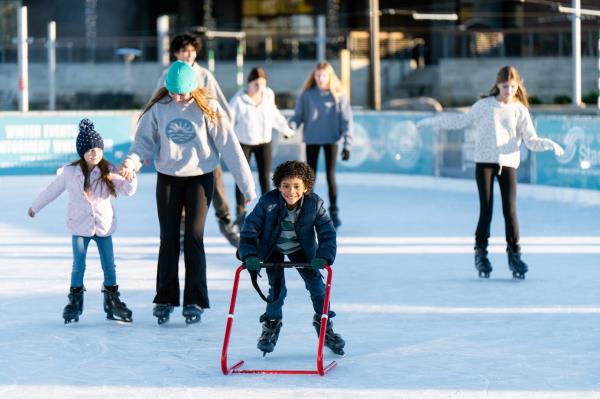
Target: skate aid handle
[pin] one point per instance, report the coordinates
(279, 266)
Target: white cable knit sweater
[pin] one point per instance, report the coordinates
(499, 129)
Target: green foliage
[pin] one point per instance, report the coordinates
(533, 100)
(562, 99)
(590, 98)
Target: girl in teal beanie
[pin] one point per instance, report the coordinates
(185, 132)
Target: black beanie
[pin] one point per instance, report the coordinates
(88, 138)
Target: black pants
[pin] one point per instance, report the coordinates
(313, 281)
(172, 195)
(312, 156)
(220, 196)
(507, 179)
(263, 155)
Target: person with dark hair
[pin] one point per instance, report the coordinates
(254, 115)
(290, 221)
(92, 183)
(501, 121)
(184, 48)
(324, 111)
(186, 132)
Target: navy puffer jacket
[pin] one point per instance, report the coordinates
(262, 228)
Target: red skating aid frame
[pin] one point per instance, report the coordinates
(236, 368)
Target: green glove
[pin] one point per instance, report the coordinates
(252, 263)
(318, 263)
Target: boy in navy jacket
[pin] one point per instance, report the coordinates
(288, 221)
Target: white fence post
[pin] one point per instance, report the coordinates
(23, 56)
(51, 44)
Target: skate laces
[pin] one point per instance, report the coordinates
(114, 298)
(269, 329)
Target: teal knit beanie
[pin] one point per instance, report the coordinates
(181, 78)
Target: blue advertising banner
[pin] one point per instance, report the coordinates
(579, 166)
(455, 152)
(384, 142)
(390, 143)
(40, 143)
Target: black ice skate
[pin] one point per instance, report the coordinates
(482, 263)
(74, 308)
(333, 341)
(192, 313)
(270, 334)
(516, 265)
(335, 217)
(162, 312)
(230, 230)
(114, 308)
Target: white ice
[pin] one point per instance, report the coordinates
(418, 321)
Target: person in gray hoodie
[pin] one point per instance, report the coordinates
(325, 113)
(186, 133)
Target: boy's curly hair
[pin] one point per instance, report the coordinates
(291, 169)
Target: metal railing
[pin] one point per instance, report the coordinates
(438, 43)
(265, 46)
(538, 42)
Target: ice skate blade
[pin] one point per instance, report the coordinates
(339, 352)
(265, 351)
(484, 274)
(119, 319)
(69, 321)
(192, 320)
(519, 276)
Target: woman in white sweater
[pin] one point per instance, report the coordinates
(254, 115)
(501, 121)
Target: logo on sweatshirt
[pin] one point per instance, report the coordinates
(180, 131)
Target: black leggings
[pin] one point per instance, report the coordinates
(262, 154)
(173, 194)
(507, 179)
(312, 156)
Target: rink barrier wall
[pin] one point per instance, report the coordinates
(384, 142)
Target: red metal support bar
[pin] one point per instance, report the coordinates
(234, 291)
(236, 368)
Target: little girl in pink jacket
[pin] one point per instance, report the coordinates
(91, 183)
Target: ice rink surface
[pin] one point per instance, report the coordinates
(418, 321)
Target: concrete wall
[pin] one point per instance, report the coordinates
(284, 77)
(462, 80)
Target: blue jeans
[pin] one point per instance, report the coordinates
(107, 259)
(313, 281)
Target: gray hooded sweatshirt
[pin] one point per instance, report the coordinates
(183, 142)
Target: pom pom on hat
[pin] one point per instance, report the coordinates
(88, 138)
(181, 78)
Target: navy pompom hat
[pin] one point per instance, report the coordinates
(88, 138)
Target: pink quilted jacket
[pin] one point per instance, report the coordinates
(86, 216)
